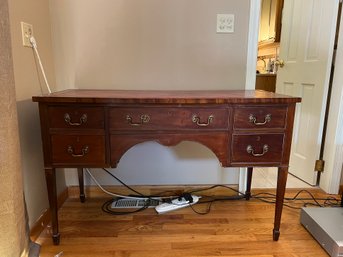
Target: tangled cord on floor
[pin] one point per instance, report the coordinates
(290, 202)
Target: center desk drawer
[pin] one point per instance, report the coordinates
(76, 117)
(78, 149)
(259, 148)
(166, 118)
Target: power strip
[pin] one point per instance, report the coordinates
(177, 203)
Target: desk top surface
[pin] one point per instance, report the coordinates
(165, 97)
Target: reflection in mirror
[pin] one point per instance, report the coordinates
(270, 21)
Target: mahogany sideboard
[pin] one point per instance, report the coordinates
(94, 128)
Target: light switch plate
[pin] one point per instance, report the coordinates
(225, 23)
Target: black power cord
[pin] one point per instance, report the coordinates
(327, 202)
(121, 182)
(263, 196)
(106, 207)
(161, 194)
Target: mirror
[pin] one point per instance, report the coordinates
(270, 21)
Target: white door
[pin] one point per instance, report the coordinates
(307, 38)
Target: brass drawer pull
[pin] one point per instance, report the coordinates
(145, 118)
(196, 119)
(84, 151)
(67, 119)
(253, 119)
(250, 150)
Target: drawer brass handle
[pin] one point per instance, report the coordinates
(84, 151)
(196, 119)
(253, 119)
(145, 118)
(250, 150)
(83, 119)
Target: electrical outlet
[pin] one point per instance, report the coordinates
(26, 33)
(225, 23)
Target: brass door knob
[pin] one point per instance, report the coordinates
(279, 62)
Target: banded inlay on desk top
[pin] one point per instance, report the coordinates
(164, 97)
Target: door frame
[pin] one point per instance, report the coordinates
(334, 144)
(333, 150)
(250, 79)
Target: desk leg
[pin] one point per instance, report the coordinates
(50, 176)
(249, 178)
(81, 185)
(280, 194)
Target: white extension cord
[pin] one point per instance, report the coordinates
(110, 193)
(34, 46)
(117, 195)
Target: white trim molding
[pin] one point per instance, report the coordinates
(250, 79)
(333, 151)
(254, 25)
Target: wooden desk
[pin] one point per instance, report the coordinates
(94, 128)
(265, 82)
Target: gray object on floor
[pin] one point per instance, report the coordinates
(326, 226)
(34, 249)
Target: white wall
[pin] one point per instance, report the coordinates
(153, 164)
(28, 82)
(152, 44)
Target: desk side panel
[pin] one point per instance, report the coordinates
(44, 123)
(288, 134)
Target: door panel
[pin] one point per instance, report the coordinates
(306, 47)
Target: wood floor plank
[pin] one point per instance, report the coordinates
(232, 229)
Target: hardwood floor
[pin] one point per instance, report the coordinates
(232, 228)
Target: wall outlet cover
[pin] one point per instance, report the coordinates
(26, 33)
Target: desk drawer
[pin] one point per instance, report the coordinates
(265, 148)
(260, 117)
(76, 117)
(168, 118)
(78, 149)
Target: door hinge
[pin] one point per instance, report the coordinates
(319, 165)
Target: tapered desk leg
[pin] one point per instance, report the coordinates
(50, 176)
(249, 178)
(280, 194)
(81, 185)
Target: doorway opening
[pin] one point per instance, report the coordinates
(270, 77)
(268, 44)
